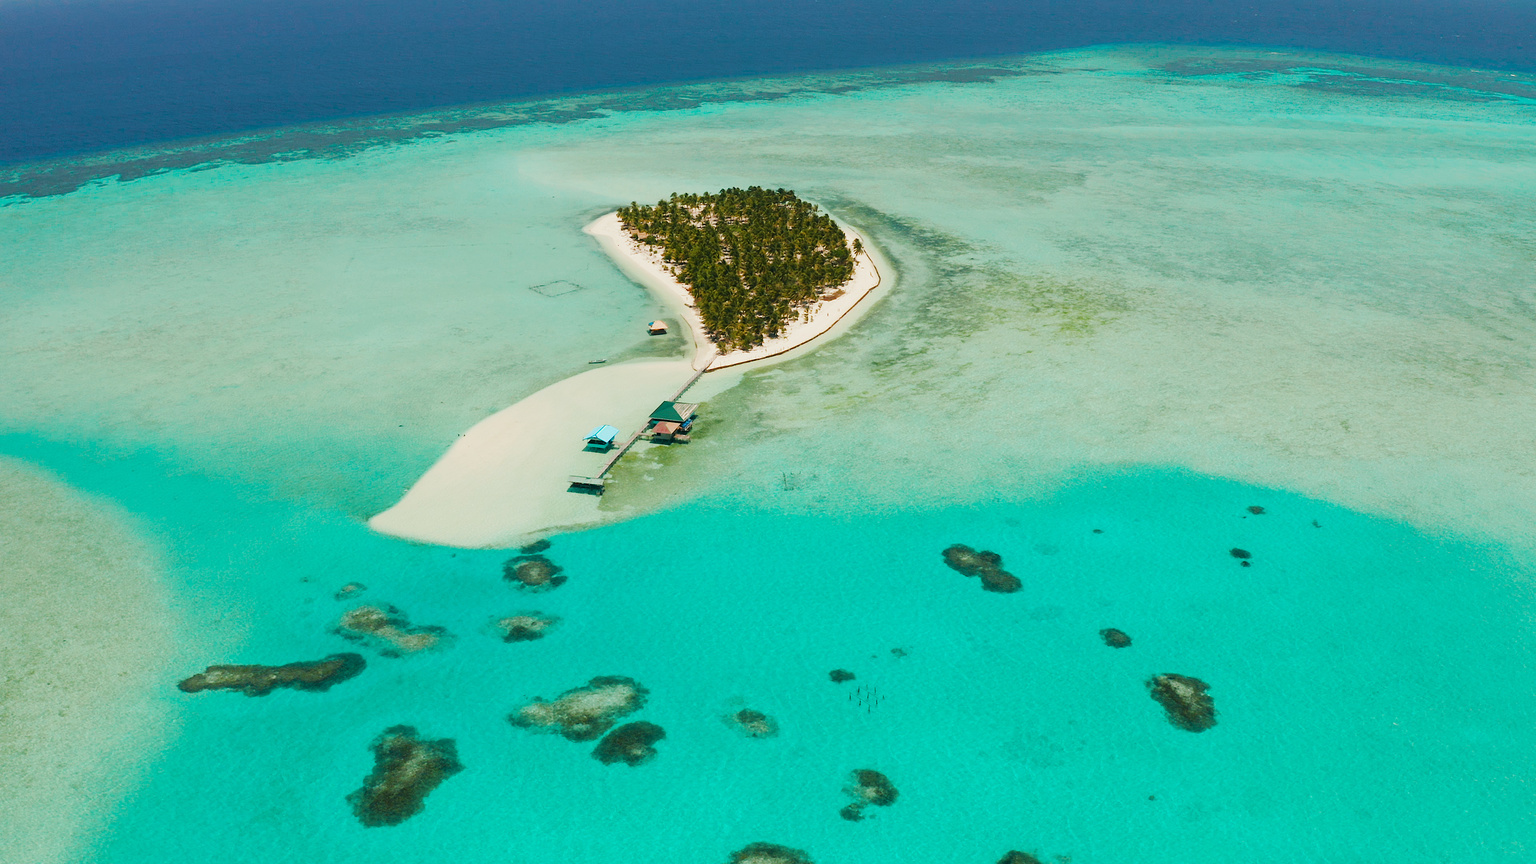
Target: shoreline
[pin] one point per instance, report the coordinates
(504, 481)
(633, 257)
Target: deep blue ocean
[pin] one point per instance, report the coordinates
(80, 76)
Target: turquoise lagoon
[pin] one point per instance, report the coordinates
(1140, 290)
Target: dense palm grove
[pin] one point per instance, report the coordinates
(753, 258)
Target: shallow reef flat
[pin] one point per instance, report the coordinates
(88, 629)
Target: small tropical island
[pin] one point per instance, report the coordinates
(750, 274)
(753, 259)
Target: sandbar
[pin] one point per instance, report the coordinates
(89, 640)
(505, 480)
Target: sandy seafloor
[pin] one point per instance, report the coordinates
(1141, 289)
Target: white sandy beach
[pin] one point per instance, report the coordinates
(505, 480)
(644, 264)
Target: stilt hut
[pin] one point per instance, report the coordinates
(601, 438)
(657, 328)
(673, 421)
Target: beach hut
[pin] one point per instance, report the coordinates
(673, 420)
(657, 328)
(674, 412)
(601, 437)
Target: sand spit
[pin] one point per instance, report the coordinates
(505, 479)
(88, 644)
(644, 264)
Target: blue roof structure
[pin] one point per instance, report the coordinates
(602, 435)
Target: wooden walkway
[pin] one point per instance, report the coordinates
(599, 480)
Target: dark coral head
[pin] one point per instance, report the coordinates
(768, 853)
(1000, 582)
(873, 787)
(406, 768)
(964, 559)
(1115, 638)
(533, 571)
(632, 744)
(1241, 553)
(1185, 701)
(838, 676)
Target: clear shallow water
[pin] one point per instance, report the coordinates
(1370, 684)
(1110, 261)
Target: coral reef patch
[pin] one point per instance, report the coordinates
(388, 631)
(313, 675)
(583, 713)
(768, 853)
(405, 769)
(1017, 857)
(526, 626)
(839, 676)
(533, 573)
(350, 590)
(986, 565)
(1185, 700)
(534, 548)
(633, 744)
(753, 724)
(1115, 638)
(1241, 554)
(867, 787)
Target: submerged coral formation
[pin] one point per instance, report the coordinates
(526, 626)
(388, 631)
(584, 713)
(838, 676)
(768, 853)
(405, 769)
(350, 590)
(986, 565)
(534, 548)
(868, 787)
(533, 573)
(1185, 701)
(753, 724)
(1115, 638)
(313, 675)
(632, 744)
(1017, 857)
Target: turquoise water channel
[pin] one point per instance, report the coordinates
(1140, 292)
(1370, 684)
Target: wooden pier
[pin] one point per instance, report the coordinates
(599, 480)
